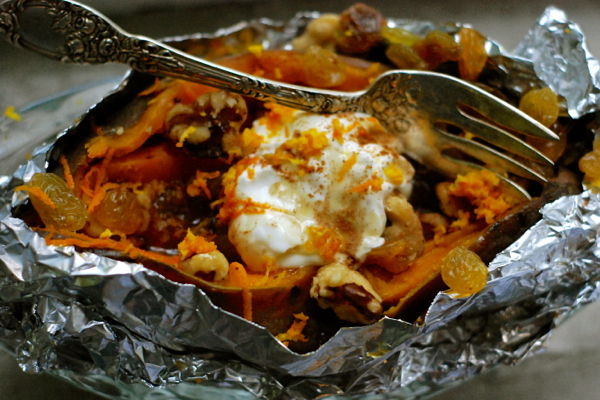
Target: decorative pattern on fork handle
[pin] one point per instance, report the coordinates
(414, 105)
(89, 39)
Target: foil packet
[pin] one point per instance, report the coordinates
(128, 333)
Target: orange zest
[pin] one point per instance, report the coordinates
(151, 122)
(338, 130)
(394, 174)
(346, 167)
(325, 240)
(309, 144)
(37, 192)
(99, 195)
(193, 244)
(199, 184)
(482, 188)
(278, 117)
(67, 172)
(69, 238)
(151, 89)
(373, 184)
(239, 278)
(233, 208)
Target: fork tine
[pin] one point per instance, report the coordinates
(501, 112)
(492, 158)
(500, 138)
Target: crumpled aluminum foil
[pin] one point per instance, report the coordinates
(560, 57)
(129, 333)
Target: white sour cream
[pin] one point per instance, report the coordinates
(335, 181)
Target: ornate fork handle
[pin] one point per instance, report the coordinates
(70, 32)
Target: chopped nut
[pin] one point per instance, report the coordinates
(404, 240)
(213, 113)
(347, 292)
(206, 263)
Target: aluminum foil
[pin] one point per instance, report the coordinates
(560, 57)
(128, 333)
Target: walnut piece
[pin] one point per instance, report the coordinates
(404, 240)
(213, 113)
(347, 292)
(206, 263)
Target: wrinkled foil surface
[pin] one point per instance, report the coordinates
(128, 333)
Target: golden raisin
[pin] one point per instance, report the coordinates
(552, 149)
(323, 68)
(473, 56)
(464, 272)
(437, 47)
(120, 211)
(541, 105)
(68, 213)
(404, 57)
(399, 36)
(589, 164)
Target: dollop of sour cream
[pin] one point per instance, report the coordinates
(313, 191)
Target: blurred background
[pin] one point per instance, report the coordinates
(567, 369)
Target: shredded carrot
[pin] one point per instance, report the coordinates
(439, 231)
(238, 277)
(86, 182)
(151, 122)
(200, 184)
(294, 333)
(67, 172)
(233, 208)
(462, 221)
(346, 167)
(39, 193)
(151, 89)
(102, 170)
(269, 264)
(99, 195)
(86, 242)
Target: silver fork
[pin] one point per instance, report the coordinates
(412, 104)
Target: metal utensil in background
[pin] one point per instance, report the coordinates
(408, 103)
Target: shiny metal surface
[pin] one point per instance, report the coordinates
(409, 103)
(566, 370)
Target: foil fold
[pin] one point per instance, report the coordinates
(561, 58)
(128, 333)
